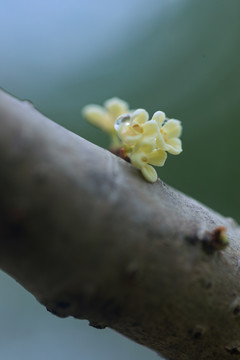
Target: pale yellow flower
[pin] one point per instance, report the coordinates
(146, 141)
(132, 128)
(145, 154)
(169, 132)
(165, 131)
(104, 116)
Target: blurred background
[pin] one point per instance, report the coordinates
(178, 56)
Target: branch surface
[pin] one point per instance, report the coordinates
(90, 238)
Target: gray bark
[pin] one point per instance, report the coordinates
(90, 238)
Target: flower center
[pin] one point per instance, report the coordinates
(164, 134)
(138, 128)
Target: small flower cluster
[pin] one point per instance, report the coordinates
(145, 142)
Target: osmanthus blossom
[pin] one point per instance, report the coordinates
(144, 141)
(170, 131)
(144, 154)
(132, 128)
(147, 141)
(104, 116)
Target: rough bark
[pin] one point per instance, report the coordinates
(89, 237)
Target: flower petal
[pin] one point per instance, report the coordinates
(172, 128)
(174, 146)
(136, 158)
(146, 147)
(140, 154)
(159, 117)
(98, 116)
(128, 134)
(150, 129)
(149, 173)
(160, 143)
(157, 157)
(139, 117)
(116, 107)
(130, 139)
(94, 113)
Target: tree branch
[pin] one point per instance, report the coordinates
(89, 237)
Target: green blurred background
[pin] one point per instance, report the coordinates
(179, 56)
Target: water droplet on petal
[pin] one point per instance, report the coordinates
(123, 119)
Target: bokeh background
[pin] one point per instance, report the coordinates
(179, 56)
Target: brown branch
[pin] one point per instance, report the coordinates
(89, 237)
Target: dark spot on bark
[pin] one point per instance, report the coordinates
(236, 310)
(208, 285)
(14, 220)
(63, 304)
(197, 332)
(192, 240)
(215, 240)
(211, 241)
(233, 350)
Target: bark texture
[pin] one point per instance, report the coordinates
(90, 238)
